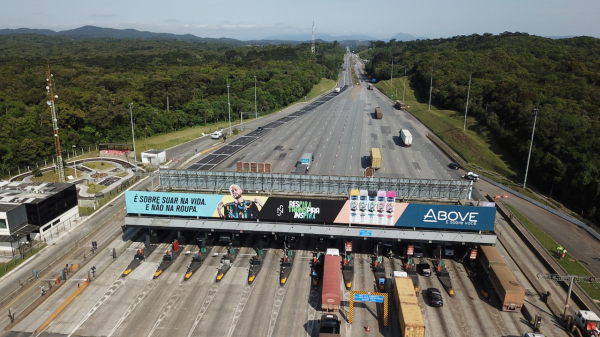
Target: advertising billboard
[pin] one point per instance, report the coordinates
(371, 208)
(301, 210)
(468, 218)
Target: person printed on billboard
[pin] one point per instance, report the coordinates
(239, 208)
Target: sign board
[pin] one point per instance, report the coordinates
(368, 298)
(473, 254)
(371, 208)
(364, 232)
(348, 246)
(472, 218)
(301, 210)
(410, 250)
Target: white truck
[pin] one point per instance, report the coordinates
(588, 323)
(337, 90)
(216, 135)
(406, 137)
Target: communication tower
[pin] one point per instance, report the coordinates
(312, 48)
(50, 102)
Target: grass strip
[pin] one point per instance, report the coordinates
(569, 263)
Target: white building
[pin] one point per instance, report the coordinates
(154, 157)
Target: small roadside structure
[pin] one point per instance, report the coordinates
(154, 157)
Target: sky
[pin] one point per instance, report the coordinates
(258, 19)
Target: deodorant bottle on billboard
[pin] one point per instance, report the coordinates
(389, 207)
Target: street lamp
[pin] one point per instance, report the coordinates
(467, 107)
(255, 110)
(229, 108)
(75, 163)
(535, 113)
(430, 87)
(133, 136)
(403, 92)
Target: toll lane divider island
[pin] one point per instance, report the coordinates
(371, 211)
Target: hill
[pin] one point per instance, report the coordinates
(513, 74)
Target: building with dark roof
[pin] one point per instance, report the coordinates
(28, 210)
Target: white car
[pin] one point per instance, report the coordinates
(216, 135)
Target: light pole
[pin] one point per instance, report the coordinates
(535, 113)
(430, 87)
(229, 108)
(255, 110)
(75, 164)
(392, 73)
(133, 136)
(403, 92)
(467, 107)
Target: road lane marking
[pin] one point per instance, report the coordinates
(210, 294)
(142, 294)
(111, 289)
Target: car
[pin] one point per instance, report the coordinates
(454, 166)
(472, 176)
(532, 334)
(418, 251)
(448, 250)
(216, 135)
(260, 128)
(225, 239)
(435, 297)
(424, 269)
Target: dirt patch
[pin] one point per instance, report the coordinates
(355, 90)
(99, 175)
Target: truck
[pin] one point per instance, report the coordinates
(407, 305)
(378, 112)
(337, 90)
(329, 326)
(406, 137)
(489, 256)
(507, 288)
(588, 323)
(375, 158)
(369, 86)
(217, 134)
(400, 105)
(307, 159)
(300, 169)
(330, 297)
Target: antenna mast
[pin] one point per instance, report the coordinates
(59, 161)
(312, 48)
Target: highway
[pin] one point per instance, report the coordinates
(340, 134)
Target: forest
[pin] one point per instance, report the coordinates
(172, 85)
(512, 76)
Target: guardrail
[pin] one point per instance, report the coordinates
(579, 296)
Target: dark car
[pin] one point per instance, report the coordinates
(435, 297)
(260, 128)
(418, 251)
(424, 269)
(454, 166)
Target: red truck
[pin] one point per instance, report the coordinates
(332, 270)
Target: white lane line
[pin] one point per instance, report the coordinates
(111, 289)
(210, 294)
(279, 296)
(147, 288)
(240, 308)
(171, 302)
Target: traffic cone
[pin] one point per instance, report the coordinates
(368, 328)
